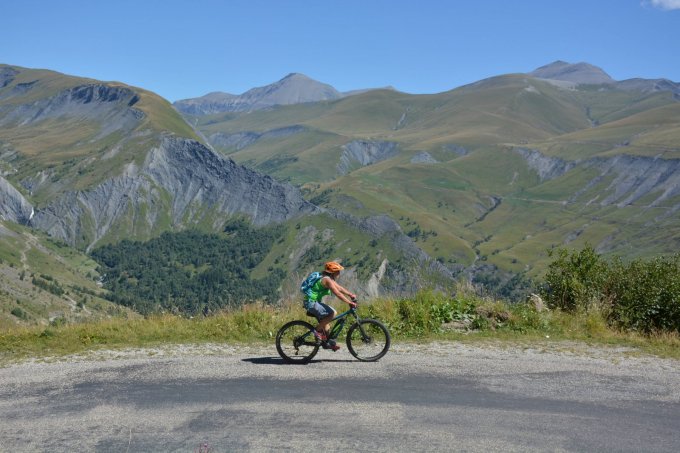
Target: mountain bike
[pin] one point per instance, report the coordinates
(367, 340)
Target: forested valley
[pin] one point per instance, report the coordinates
(190, 272)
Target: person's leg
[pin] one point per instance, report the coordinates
(324, 322)
(324, 313)
(324, 326)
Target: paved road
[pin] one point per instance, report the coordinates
(438, 397)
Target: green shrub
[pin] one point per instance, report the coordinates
(643, 295)
(48, 284)
(575, 280)
(453, 310)
(414, 315)
(19, 313)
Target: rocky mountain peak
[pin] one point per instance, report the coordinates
(580, 73)
(295, 88)
(297, 75)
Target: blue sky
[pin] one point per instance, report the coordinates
(183, 49)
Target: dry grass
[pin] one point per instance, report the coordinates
(408, 319)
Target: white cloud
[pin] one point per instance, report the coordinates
(663, 4)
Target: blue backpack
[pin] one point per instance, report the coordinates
(309, 282)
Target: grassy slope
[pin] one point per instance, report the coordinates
(653, 132)
(453, 198)
(25, 254)
(161, 116)
(72, 150)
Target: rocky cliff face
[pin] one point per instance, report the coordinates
(13, 206)
(181, 183)
(547, 167)
(7, 75)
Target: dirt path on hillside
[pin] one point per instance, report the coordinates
(31, 242)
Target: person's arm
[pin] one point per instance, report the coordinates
(340, 292)
(346, 292)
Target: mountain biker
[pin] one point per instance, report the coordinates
(324, 313)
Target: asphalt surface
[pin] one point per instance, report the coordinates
(436, 397)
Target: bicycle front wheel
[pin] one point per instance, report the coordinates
(296, 343)
(368, 340)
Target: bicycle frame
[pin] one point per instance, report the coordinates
(339, 323)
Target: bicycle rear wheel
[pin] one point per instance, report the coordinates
(296, 343)
(368, 340)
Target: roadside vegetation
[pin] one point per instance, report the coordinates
(584, 298)
(641, 295)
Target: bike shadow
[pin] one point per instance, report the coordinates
(280, 361)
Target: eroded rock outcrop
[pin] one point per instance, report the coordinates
(383, 226)
(7, 75)
(547, 167)
(359, 153)
(632, 177)
(424, 158)
(109, 105)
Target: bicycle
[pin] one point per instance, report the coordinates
(367, 340)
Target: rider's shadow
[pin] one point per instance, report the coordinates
(280, 361)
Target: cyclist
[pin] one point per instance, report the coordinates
(324, 313)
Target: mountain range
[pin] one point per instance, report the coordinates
(297, 88)
(292, 89)
(406, 189)
(496, 171)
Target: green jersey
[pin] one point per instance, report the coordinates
(318, 291)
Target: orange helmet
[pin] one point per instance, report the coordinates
(332, 267)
